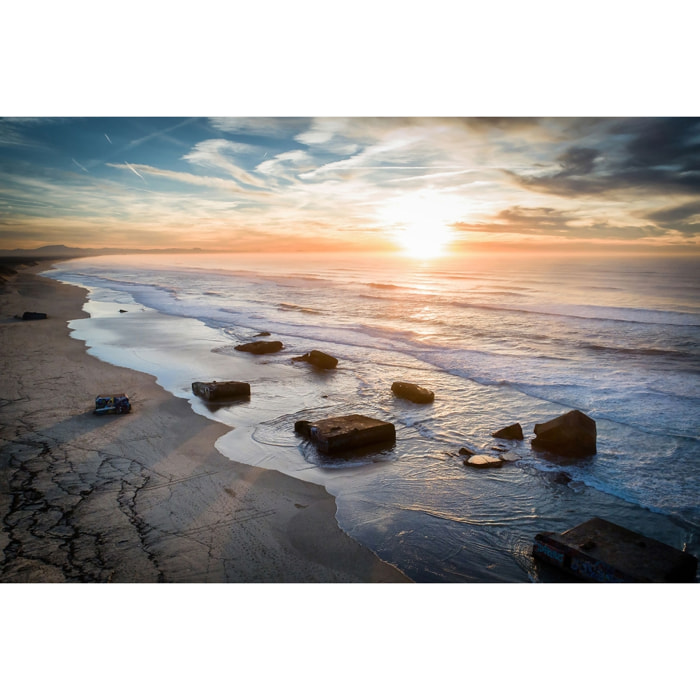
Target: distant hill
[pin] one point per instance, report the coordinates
(62, 251)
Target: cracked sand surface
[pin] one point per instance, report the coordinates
(143, 497)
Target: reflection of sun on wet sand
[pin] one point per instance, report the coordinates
(144, 496)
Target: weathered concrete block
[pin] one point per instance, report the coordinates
(318, 359)
(412, 392)
(220, 391)
(601, 551)
(512, 432)
(484, 461)
(332, 435)
(261, 347)
(571, 435)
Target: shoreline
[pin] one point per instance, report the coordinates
(146, 496)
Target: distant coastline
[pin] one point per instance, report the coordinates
(56, 252)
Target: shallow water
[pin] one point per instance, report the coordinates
(498, 341)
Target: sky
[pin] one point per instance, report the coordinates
(421, 186)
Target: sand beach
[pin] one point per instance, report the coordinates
(143, 497)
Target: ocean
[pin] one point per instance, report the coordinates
(498, 339)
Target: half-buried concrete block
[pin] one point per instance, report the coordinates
(318, 359)
(570, 435)
(332, 435)
(601, 551)
(221, 391)
(512, 432)
(484, 461)
(412, 392)
(260, 347)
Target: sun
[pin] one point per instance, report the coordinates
(424, 239)
(420, 223)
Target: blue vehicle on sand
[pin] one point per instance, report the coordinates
(112, 403)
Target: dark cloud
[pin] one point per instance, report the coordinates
(547, 221)
(545, 129)
(665, 142)
(660, 155)
(684, 218)
(503, 123)
(522, 220)
(673, 214)
(577, 161)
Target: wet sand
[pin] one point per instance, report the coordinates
(143, 497)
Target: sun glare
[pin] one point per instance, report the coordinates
(420, 223)
(424, 239)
